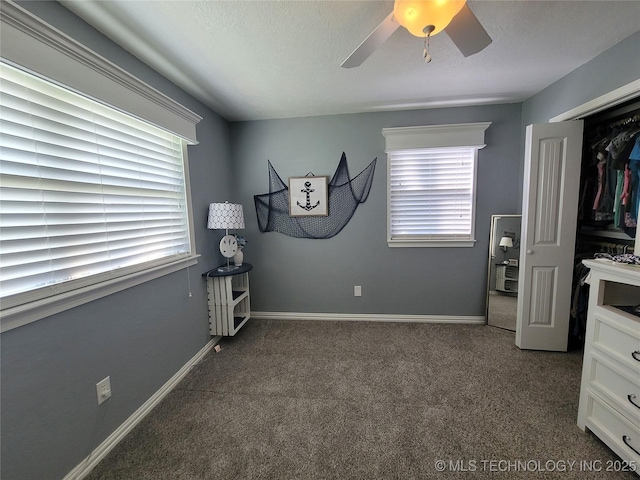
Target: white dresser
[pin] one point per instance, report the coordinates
(610, 389)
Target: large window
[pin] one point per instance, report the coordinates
(95, 176)
(87, 193)
(431, 184)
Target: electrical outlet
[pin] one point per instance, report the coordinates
(103, 389)
(357, 291)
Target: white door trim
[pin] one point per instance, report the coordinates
(611, 99)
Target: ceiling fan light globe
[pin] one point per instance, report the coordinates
(415, 15)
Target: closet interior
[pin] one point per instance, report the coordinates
(609, 198)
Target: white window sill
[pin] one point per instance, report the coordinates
(430, 243)
(20, 315)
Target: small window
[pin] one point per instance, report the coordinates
(431, 183)
(87, 193)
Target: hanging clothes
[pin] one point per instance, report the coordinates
(610, 176)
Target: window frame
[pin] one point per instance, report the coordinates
(407, 139)
(25, 40)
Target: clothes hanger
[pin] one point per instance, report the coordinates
(625, 121)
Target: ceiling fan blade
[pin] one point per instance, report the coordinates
(372, 42)
(467, 33)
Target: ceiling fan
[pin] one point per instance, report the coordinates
(424, 18)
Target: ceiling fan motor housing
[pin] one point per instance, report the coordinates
(418, 15)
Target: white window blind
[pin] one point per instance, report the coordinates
(86, 192)
(431, 183)
(431, 193)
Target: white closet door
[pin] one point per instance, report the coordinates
(553, 155)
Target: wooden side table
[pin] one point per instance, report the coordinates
(228, 299)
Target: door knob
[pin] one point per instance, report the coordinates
(529, 252)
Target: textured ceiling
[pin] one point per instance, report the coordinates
(277, 58)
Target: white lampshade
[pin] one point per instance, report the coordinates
(506, 242)
(224, 216)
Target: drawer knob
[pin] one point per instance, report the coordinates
(631, 398)
(636, 355)
(626, 441)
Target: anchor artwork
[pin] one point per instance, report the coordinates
(308, 190)
(308, 196)
(309, 207)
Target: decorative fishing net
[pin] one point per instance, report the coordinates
(345, 194)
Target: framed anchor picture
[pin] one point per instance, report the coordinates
(308, 196)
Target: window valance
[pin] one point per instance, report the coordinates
(32, 44)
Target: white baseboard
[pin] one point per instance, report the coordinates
(89, 463)
(369, 317)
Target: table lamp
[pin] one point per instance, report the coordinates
(223, 216)
(506, 242)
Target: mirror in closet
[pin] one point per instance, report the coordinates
(502, 277)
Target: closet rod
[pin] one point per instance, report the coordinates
(624, 110)
(626, 121)
(618, 247)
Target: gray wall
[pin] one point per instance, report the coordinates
(303, 275)
(614, 68)
(140, 337)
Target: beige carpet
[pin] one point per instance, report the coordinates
(357, 400)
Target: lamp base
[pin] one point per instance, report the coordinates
(227, 268)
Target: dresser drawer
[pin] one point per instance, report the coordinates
(618, 337)
(616, 385)
(614, 429)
